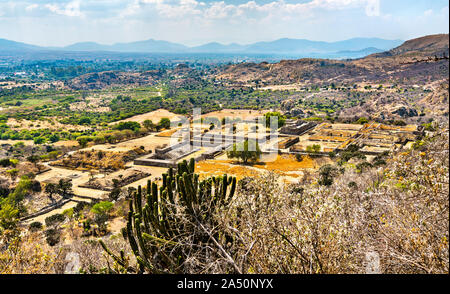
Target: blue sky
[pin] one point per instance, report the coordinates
(194, 22)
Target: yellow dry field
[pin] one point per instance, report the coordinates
(284, 165)
(167, 133)
(154, 116)
(217, 168)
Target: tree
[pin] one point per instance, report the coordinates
(83, 141)
(50, 190)
(8, 216)
(245, 151)
(281, 118)
(326, 175)
(164, 123)
(128, 125)
(39, 140)
(101, 211)
(34, 159)
(313, 148)
(64, 187)
(362, 120)
(54, 138)
(149, 125)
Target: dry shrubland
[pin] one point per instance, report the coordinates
(398, 212)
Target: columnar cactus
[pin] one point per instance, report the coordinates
(170, 211)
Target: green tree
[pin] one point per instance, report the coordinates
(149, 125)
(362, 120)
(64, 187)
(83, 141)
(101, 211)
(245, 151)
(8, 215)
(315, 148)
(164, 123)
(281, 118)
(39, 140)
(128, 125)
(54, 138)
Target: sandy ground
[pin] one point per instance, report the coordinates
(34, 125)
(67, 143)
(12, 142)
(149, 142)
(154, 116)
(235, 113)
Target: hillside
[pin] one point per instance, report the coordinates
(396, 65)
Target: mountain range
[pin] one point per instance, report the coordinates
(351, 48)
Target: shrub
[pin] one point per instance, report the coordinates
(54, 219)
(52, 236)
(35, 226)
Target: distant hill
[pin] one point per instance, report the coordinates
(301, 46)
(7, 45)
(352, 48)
(147, 46)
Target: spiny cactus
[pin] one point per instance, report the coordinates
(182, 205)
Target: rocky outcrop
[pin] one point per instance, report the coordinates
(404, 112)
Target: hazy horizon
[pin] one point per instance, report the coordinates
(211, 41)
(193, 23)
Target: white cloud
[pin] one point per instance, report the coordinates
(31, 7)
(222, 10)
(70, 9)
